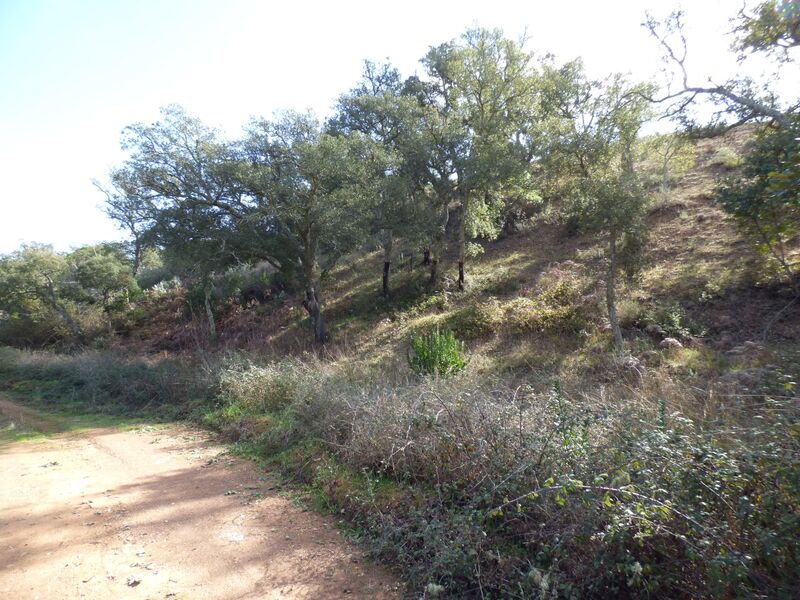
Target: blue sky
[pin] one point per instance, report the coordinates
(74, 73)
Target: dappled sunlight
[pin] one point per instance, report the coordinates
(167, 510)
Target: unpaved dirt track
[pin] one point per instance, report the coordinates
(162, 514)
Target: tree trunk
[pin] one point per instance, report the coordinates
(611, 302)
(665, 176)
(212, 324)
(137, 258)
(62, 312)
(312, 306)
(438, 248)
(387, 260)
(462, 241)
(312, 277)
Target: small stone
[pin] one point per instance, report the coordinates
(650, 356)
(132, 581)
(653, 329)
(670, 343)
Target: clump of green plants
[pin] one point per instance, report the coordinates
(672, 321)
(726, 157)
(476, 320)
(437, 353)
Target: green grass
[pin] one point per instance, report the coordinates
(12, 431)
(41, 421)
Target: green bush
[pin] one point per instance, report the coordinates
(672, 320)
(475, 320)
(437, 353)
(725, 157)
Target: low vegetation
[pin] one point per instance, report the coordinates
(526, 351)
(469, 484)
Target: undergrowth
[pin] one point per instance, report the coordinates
(478, 488)
(103, 382)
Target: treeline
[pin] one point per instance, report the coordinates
(485, 137)
(429, 163)
(48, 297)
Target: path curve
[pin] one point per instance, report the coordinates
(163, 513)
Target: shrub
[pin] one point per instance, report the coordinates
(261, 388)
(437, 353)
(506, 488)
(105, 382)
(672, 320)
(726, 157)
(476, 320)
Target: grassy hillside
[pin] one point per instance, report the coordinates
(549, 467)
(535, 305)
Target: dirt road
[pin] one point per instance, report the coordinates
(162, 513)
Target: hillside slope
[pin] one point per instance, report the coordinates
(534, 304)
(549, 467)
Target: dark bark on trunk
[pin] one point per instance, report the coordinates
(611, 302)
(388, 246)
(212, 324)
(438, 248)
(426, 257)
(462, 241)
(386, 266)
(312, 277)
(312, 306)
(434, 278)
(137, 258)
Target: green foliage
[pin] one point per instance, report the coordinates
(764, 198)
(478, 144)
(476, 319)
(320, 184)
(664, 158)
(103, 275)
(669, 320)
(774, 28)
(726, 157)
(596, 154)
(437, 353)
(523, 314)
(556, 307)
(380, 107)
